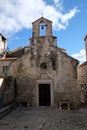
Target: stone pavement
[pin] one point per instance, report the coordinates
(44, 118)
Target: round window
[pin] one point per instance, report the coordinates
(43, 65)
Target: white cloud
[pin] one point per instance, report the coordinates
(69, 15)
(58, 4)
(81, 56)
(18, 14)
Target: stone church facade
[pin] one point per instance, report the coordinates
(45, 74)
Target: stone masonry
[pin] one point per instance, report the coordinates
(45, 66)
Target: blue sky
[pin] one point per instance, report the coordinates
(69, 22)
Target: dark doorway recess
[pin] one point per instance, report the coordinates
(44, 94)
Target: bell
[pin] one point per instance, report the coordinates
(42, 27)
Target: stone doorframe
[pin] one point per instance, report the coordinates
(51, 91)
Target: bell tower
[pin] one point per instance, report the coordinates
(42, 43)
(85, 39)
(42, 33)
(42, 27)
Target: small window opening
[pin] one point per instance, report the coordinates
(54, 64)
(5, 69)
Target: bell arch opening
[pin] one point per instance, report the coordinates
(42, 28)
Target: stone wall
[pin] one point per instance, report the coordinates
(64, 77)
(82, 82)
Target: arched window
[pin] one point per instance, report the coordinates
(42, 29)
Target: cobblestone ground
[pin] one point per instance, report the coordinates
(44, 118)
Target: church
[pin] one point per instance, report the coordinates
(45, 74)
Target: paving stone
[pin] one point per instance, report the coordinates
(44, 118)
